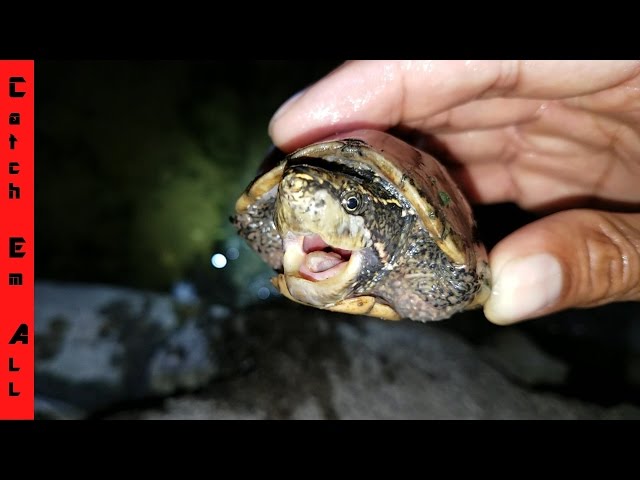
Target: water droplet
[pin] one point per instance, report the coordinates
(263, 293)
(233, 253)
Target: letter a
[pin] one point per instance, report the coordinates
(21, 335)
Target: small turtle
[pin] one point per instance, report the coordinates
(364, 223)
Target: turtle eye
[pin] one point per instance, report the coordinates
(351, 201)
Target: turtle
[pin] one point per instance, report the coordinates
(364, 223)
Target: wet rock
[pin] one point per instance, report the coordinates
(303, 363)
(516, 355)
(100, 350)
(98, 346)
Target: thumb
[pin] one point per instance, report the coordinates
(575, 258)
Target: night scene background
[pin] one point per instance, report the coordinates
(149, 306)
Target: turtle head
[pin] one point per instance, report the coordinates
(340, 222)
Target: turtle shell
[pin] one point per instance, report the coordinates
(419, 177)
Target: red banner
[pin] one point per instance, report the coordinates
(16, 239)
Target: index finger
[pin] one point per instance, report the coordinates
(382, 94)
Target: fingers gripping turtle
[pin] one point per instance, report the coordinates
(364, 223)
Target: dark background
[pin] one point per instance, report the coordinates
(139, 164)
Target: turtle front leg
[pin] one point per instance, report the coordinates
(257, 227)
(425, 285)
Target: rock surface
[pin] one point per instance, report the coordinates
(522, 360)
(101, 349)
(311, 367)
(97, 346)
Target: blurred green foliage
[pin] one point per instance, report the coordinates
(139, 164)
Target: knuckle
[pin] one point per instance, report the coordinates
(507, 79)
(613, 252)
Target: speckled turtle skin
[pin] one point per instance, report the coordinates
(418, 255)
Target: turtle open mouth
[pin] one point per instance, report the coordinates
(321, 261)
(311, 258)
(316, 272)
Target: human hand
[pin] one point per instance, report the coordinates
(547, 135)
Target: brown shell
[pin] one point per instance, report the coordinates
(269, 175)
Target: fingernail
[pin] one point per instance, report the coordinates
(286, 105)
(523, 287)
